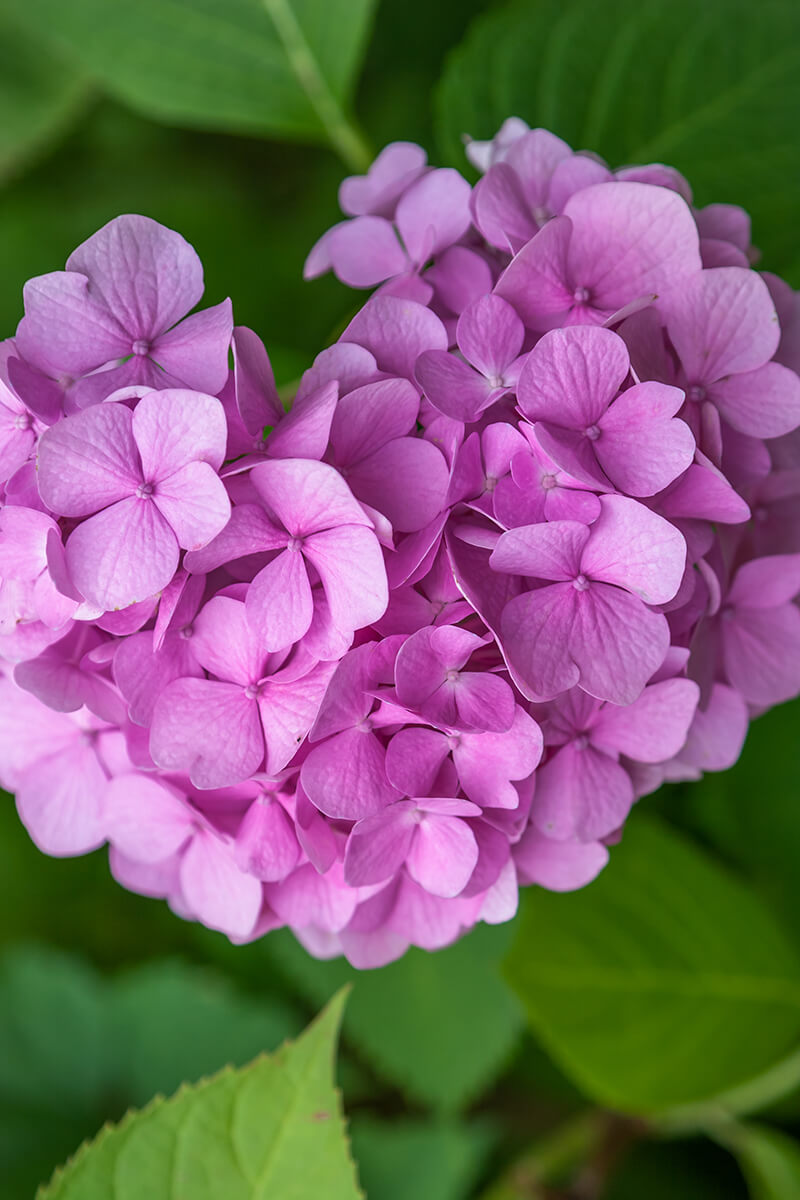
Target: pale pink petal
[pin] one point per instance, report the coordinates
(145, 819)
(88, 461)
(571, 376)
(443, 854)
(490, 335)
(717, 733)
(500, 209)
(141, 673)
(642, 445)
(433, 213)
(378, 845)
(397, 166)
(266, 845)
(616, 642)
(225, 643)
(176, 427)
(122, 555)
(61, 800)
(766, 582)
(763, 403)
(279, 602)
(551, 550)
(535, 283)
(636, 549)
(215, 890)
(365, 251)
(309, 898)
(195, 504)
(209, 731)
(306, 496)
(256, 395)
(66, 329)
(249, 531)
(558, 866)
(396, 332)
(288, 710)
(761, 653)
(196, 350)
(487, 762)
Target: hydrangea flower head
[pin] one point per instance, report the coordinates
(523, 548)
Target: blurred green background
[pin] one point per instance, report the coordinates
(466, 1073)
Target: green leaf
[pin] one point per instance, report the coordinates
(440, 1026)
(664, 982)
(446, 1157)
(769, 1159)
(271, 1129)
(77, 1049)
(280, 67)
(713, 89)
(40, 96)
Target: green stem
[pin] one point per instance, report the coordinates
(567, 1146)
(346, 139)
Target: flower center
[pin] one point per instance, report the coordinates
(364, 726)
(548, 482)
(144, 491)
(22, 420)
(140, 347)
(295, 544)
(251, 691)
(592, 432)
(495, 381)
(581, 742)
(490, 483)
(580, 583)
(187, 631)
(697, 393)
(581, 295)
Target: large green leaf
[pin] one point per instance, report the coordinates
(279, 67)
(712, 88)
(770, 1160)
(440, 1026)
(665, 982)
(271, 1129)
(40, 95)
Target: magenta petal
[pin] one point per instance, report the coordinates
(500, 209)
(145, 819)
(216, 891)
(452, 386)
(490, 335)
(717, 733)
(571, 376)
(141, 673)
(147, 274)
(249, 531)
(763, 403)
(195, 504)
(88, 461)
(61, 801)
(653, 728)
(616, 642)
(413, 759)
(345, 776)
(558, 866)
(210, 731)
(536, 631)
(643, 446)
(266, 844)
(535, 282)
(175, 427)
(486, 762)
(122, 555)
(406, 480)
(396, 331)
(288, 710)
(66, 330)
(581, 793)
(443, 854)
(279, 603)
(224, 642)
(378, 845)
(196, 350)
(256, 395)
(304, 431)
(766, 582)
(636, 549)
(433, 213)
(551, 550)
(306, 496)
(350, 565)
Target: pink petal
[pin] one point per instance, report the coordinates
(452, 386)
(551, 550)
(215, 890)
(345, 776)
(365, 251)
(195, 504)
(209, 731)
(643, 446)
(761, 653)
(66, 329)
(279, 603)
(395, 168)
(61, 801)
(500, 209)
(653, 728)
(308, 898)
(536, 630)
(717, 733)
(616, 642)
(249, 531)
(141, 673)
(558, 866)
(490, 335)
(346, 702)
(176, 427)
(487, 762)
(722, 322)
(88, 461)
(413, 759)
(636, 549)
(406, 480)
(225, 643)
(370, 416)
(288, 710)
(304, 431)
(571, 376)
(196, 350)
(443, 854)
(396, 331)
(766, 582)
(266, 844)
(145, 274)
(122, 555)
(378, 845)
(581, 793)
(763, 403)
(256, 395)
(350, 565)
(535, 282)
(306, 496)
(433, 213)
(145, 819)
(629, 240)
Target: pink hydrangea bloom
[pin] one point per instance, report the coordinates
(524, 547)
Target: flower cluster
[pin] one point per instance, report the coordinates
(525, 545)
